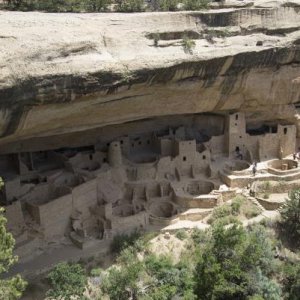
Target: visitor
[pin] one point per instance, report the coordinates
(294, 156)
(254, 168)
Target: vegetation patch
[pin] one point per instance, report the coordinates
(240, 208)
(11, 288)
(67, 280)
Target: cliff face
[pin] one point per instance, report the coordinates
(61, 74)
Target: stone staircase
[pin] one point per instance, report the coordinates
(253, 199)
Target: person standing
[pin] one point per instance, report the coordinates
(254, 168)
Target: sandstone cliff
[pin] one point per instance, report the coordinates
(62, 74)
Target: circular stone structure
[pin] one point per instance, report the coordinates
(237, 167)
(162, 213)
(163, 209)
(283, 166)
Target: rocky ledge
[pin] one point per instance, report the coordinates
(62, 74)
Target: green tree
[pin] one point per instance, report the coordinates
(97, 5)
(230, 265)
(11, 288)
(67, 280)
(121, 282)
(290, 217)
(195, 4)
(130, 5)
(291, 281)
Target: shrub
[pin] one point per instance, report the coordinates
(236, 205)
(97, 5)
(96, 272)
(67, 280)
(291, 281)
(229, 264)
(220, 212)
(181, 234)
(156, 38)
(11, 288)
(290, 217)
(120, 283)
(266, 186)
(168, 279)
(130, 5)
(196, 4)
(199, 236)
(188, 44)
(121, 241)
(252, 212)
(166, 5)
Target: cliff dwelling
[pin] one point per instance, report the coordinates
(144, 178)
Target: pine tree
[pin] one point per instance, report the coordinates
(10, 288)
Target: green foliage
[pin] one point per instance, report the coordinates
(220, 212)
(156, 38)
(266, 186)
(199, 236)
(168, 279)
(130, 5)
(252, 212)
(265, 287)
(181, 234)
(121, 281)
(58, 5)
(166, 5)
(188, 44)
(291, 281)
(233, 263)
(227, 214)
(236, 205)
(66, 280)
(121, 241)
(9, 288)
(97, 5)
(196, 4)
(96, 272)
(290, 215)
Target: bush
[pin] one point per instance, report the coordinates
(156, 38)
(236, 205)
(188, 44)
(166, 5)
(121, 241)
(251, 212)
(96, 272)
(130, 5)
(97, 5)
(199, 236)
(290, 218)
(168, 279)
(121, 282)
(67, 280)
(233, 264)
(219, 212)
(181, 234)
(266, 186)
(196, 4)
(11, 288)
(58, 5)
(291, 281)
